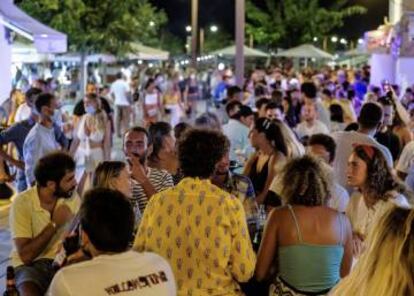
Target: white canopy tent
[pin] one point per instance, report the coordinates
(138, 52)
(248, 52)
(14, 20)
(142, 52)
(359, 51)
(307, 51)
(45, 39)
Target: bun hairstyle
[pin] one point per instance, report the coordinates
(273, 134)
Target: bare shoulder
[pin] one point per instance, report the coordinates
(277, 214)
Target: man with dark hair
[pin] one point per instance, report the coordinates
(385, 135)
(261, 107)
(107, 224)
(309, 90)
(324, 147)
(275, 111)
(41, 138)
(38, 218)
(17, 134)
(199, 228)
(233, 108)
(277, 96)
(237, 131)
(369, 120)
(310, 96)
(246, 116)
(146, 181)
(241, 187)
(234, 94)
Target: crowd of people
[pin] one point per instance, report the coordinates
(294, 184)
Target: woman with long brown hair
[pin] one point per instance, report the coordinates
(271, 151)
(377, 191)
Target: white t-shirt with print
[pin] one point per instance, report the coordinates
(128, 273)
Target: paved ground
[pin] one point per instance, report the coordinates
(5, 239)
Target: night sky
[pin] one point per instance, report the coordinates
(221, 13)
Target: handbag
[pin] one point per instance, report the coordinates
(281, 288)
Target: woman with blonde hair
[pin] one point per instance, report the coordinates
(152, 103)
(115, 175)
(92, 138)
(387, 266)
(172, 102)
(307, 244)
(294, 147)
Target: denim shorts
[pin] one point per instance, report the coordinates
(40, 273)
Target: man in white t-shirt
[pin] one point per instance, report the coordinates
(310, 124)
(107, 223)
(369, 120)
(324, 146)
(120, 92)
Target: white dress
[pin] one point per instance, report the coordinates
(87, 158)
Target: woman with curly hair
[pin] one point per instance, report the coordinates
(311, 243)
(377, 191)
(387, 266)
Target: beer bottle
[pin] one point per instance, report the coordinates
(11, 289)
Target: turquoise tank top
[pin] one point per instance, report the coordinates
(309, 267)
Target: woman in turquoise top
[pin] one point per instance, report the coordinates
(306, 246)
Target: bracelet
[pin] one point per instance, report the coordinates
(54, 225)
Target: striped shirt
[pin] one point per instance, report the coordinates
(159, 179)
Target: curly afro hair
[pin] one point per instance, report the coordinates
(199, 151)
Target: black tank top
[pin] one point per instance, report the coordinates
(259, 178)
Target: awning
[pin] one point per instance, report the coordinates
(27, 53)
(45, 39)
(92, 58)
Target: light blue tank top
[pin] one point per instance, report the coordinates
(309, 267)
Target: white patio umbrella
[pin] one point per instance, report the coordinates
(307, 51)
(142, 52)
(248, 52)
